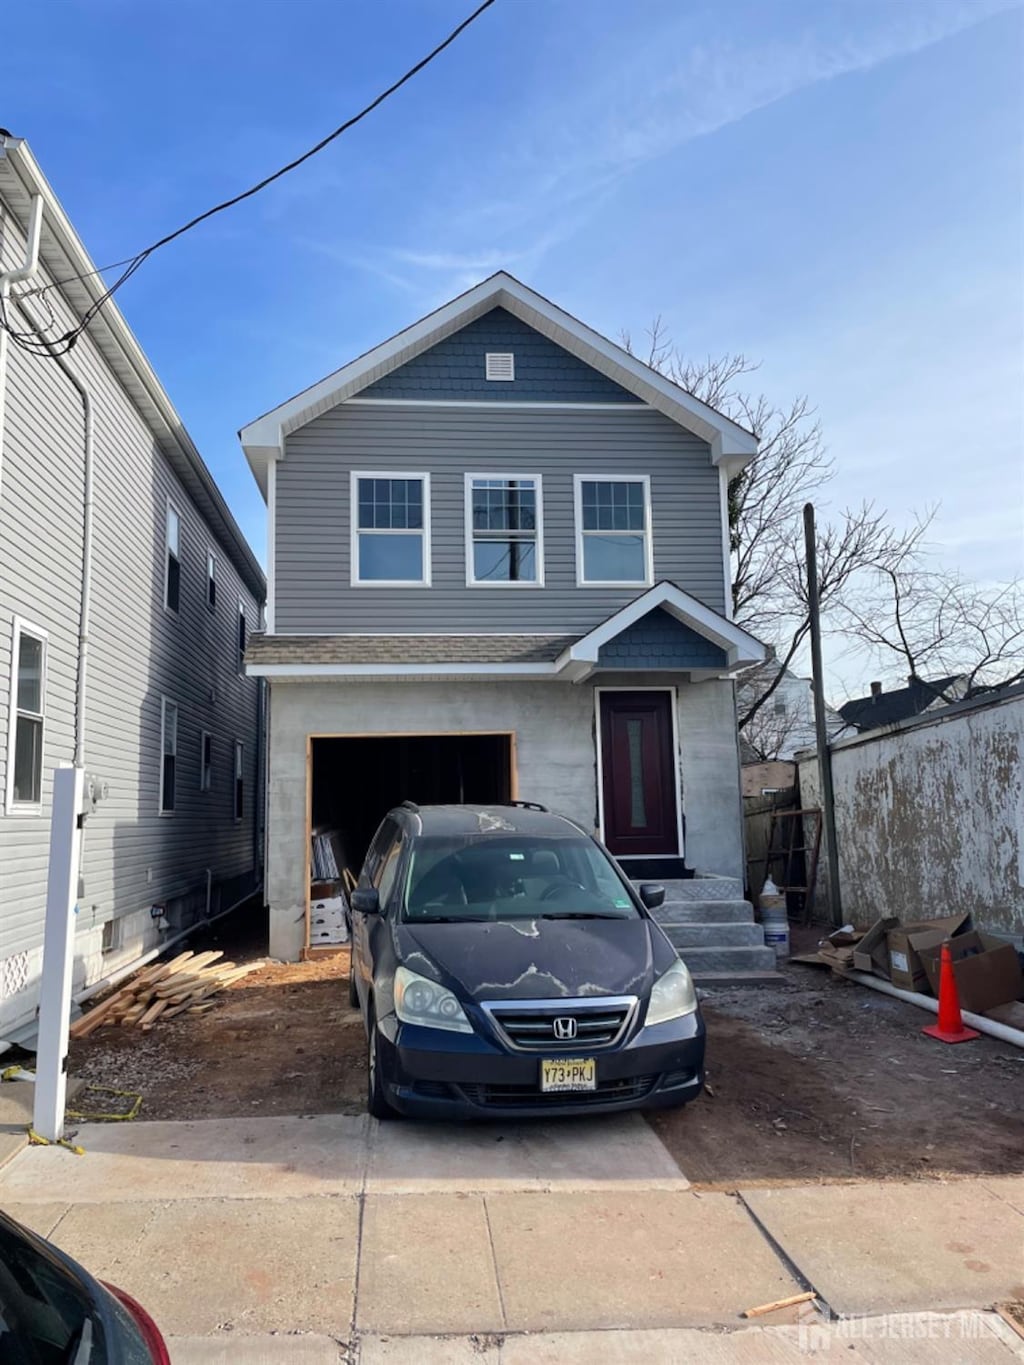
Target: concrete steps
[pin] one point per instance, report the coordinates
(714, 931)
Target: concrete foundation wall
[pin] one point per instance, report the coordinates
(555, 753)
(930, 817)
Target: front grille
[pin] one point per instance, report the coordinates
(531, 1096)
(531, 1027)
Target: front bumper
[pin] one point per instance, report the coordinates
(434, 1074)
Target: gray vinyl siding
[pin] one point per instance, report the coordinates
(132, 858)
(312, 543)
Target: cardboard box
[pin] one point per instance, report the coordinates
(872, 952)
(986, 969)
(906, 969)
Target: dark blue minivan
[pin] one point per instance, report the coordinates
(505, 966)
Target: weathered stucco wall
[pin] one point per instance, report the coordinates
(930, 817)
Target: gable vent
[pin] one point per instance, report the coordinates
(501, 365)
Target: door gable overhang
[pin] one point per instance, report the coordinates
(727, 647)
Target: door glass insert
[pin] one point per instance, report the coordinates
(637, 806)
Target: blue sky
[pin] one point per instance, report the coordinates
(833, 187)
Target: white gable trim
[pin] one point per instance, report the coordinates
(741, 649)
(730, 443)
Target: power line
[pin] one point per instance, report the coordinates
(35, 342)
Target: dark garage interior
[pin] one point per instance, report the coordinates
(356, 781)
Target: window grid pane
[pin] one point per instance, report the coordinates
(613, 505)
(30, 674)
(390, 504)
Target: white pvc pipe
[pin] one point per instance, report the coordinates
(1005, 1034)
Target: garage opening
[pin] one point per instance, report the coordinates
(355, 780)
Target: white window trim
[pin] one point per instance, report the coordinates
(22, 627)
(239, 652)
(205, 777)
(471, 581)
(237, 762)
(578, 480)
(353, 497)
(172, 506)
(164, 703)
(211, 577)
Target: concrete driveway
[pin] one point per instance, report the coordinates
(331, 1238)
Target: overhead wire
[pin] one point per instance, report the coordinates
(34, 341)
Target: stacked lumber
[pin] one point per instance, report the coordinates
(162, 991)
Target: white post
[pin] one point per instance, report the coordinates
(58, 952)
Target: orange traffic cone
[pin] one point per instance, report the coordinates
(950, 1027)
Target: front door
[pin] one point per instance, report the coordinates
(638, 773)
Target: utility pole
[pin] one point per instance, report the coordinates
(820, 722)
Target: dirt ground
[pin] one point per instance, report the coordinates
(815, 1079)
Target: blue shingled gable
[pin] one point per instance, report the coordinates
(658, 640)
(454, 368)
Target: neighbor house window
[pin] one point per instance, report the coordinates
(503, 529)
(205, 761)
(168, 754)
(172, 576)
(391, 529)
(28, 706)
(211, 580)
(241, 634)
(239, 782)
(613, 531)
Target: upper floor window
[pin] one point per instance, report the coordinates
(242, 628)
(205, 761)
(238, 787)
(168, 755)
(503, 530)
(172, 575)
(613, 531)
(28, 709)
(211, 580)
(391, 529)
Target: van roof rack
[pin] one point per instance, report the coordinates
(529, 805)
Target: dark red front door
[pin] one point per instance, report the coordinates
(638, 773)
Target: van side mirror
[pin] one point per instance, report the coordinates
(365, 900)
(652, 895)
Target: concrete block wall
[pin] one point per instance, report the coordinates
(554, 725)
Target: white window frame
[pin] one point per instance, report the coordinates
(239, 650)
(165, 702)
(238, 775)
(22, 627)
(578, 480)
(538, 483)
(205, 770)
(424, 531)
(172, 506)
(211, 579)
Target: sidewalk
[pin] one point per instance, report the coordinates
(371, 1240)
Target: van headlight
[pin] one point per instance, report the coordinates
(672, 995)
(421, 1001)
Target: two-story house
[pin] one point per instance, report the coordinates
(498, 569)
(127, 592)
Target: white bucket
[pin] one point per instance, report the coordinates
(775, 923)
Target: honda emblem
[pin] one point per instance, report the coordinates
(565, 1029)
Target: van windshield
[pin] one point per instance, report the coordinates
(488, 876)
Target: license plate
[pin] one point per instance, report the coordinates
(568, 1073)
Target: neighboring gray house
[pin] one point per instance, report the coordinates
(124, 588)
(498, 569)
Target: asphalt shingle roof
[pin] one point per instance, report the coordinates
(406, 649)
(866, 713)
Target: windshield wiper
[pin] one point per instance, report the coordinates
(579, 914)
(450, 919)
